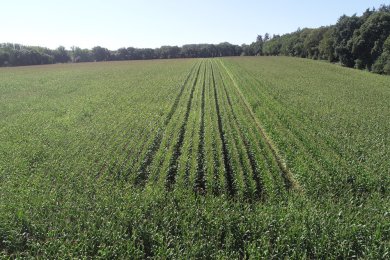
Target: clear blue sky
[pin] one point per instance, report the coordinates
(151, 23)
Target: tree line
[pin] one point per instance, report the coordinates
(19, 55)
(361, 42)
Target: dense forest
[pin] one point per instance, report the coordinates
(18, 55)
(361, 42)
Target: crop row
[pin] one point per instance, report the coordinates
(212, 143)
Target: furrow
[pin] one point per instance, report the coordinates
(143, 170)
(289, 181)
(200, 182)
(328, 159)
(229, 174)
(256, 174)
(188, 161)
(161, 161)
(214, 144)
(173, 164)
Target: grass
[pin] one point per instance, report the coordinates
(269, 157)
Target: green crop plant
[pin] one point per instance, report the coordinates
(244, 157)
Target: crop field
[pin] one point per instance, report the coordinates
(245, 157)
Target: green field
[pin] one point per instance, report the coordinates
(256, 157)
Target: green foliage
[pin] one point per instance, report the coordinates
(343, 32)
(382, 64)
(81, 55)
(368, 40)
(61, 55)
(312, 42)
(386, 44)
(272, 47)
(100, 54)
(353, 41)
(266, 157)
(326, 46)
(18, 55)
(4, 58)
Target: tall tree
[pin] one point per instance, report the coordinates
(100, 54)
(61, 55)
(382, 64)
(367, 41)
(343, 32)
(326, 45)
(312, 42)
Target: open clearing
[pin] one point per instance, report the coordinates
(234, 157)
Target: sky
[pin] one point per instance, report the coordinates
(150, 23)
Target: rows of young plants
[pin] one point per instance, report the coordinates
(331, 130)
(64, 126)
(198, 158)
(211, 143)
(94, 115)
